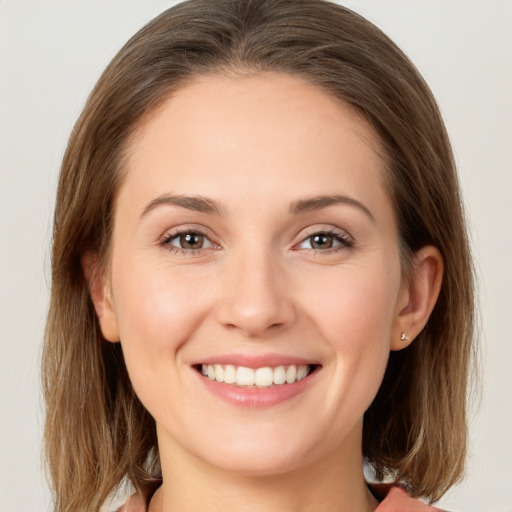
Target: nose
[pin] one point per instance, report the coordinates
(256, 300)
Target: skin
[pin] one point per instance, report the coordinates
(256, 145)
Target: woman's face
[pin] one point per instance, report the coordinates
(254, 241)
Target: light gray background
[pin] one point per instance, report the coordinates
(51, 53)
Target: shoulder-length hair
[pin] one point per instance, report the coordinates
(97, 432)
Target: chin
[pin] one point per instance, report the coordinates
(257, 462)
(263, 450)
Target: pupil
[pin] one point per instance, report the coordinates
(322, 242)
(191, 241)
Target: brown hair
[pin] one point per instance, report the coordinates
(97, 432)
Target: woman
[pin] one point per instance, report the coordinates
(261, 275)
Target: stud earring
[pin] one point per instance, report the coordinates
(404, 337)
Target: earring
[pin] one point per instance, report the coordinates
(404, 337)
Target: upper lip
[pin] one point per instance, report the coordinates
(255, 361)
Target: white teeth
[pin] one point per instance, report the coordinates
(260, 377)
(244, 376)
(302, 372)
(264, 377)
(279, 375)
(229, 374)
(291, 374)
(219, 373)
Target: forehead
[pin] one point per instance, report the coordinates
(254, 130)
(218, 101)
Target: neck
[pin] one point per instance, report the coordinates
(334, 484)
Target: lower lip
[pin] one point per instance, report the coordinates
(257, 397)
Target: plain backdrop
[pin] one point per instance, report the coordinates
(52, 52)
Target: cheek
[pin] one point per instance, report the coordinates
(355, 302)
(355, 316)
(155, 307)
(157, 312)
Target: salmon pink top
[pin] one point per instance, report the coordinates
(396, 499)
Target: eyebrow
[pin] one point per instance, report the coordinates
(319, 202)
(206, 205)
(196, 203)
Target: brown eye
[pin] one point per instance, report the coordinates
(191, 241)
(325, 241)
(321, 241)
(188, 241)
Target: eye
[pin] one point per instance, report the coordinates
(326, 241)
(190, 241)
(187, 241)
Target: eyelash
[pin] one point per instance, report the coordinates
(345, 241)
(167, 239)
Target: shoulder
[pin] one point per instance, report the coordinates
(396, 499)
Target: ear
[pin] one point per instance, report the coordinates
(418, 296)
(99, 288)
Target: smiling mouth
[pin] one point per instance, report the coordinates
(264, 377)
